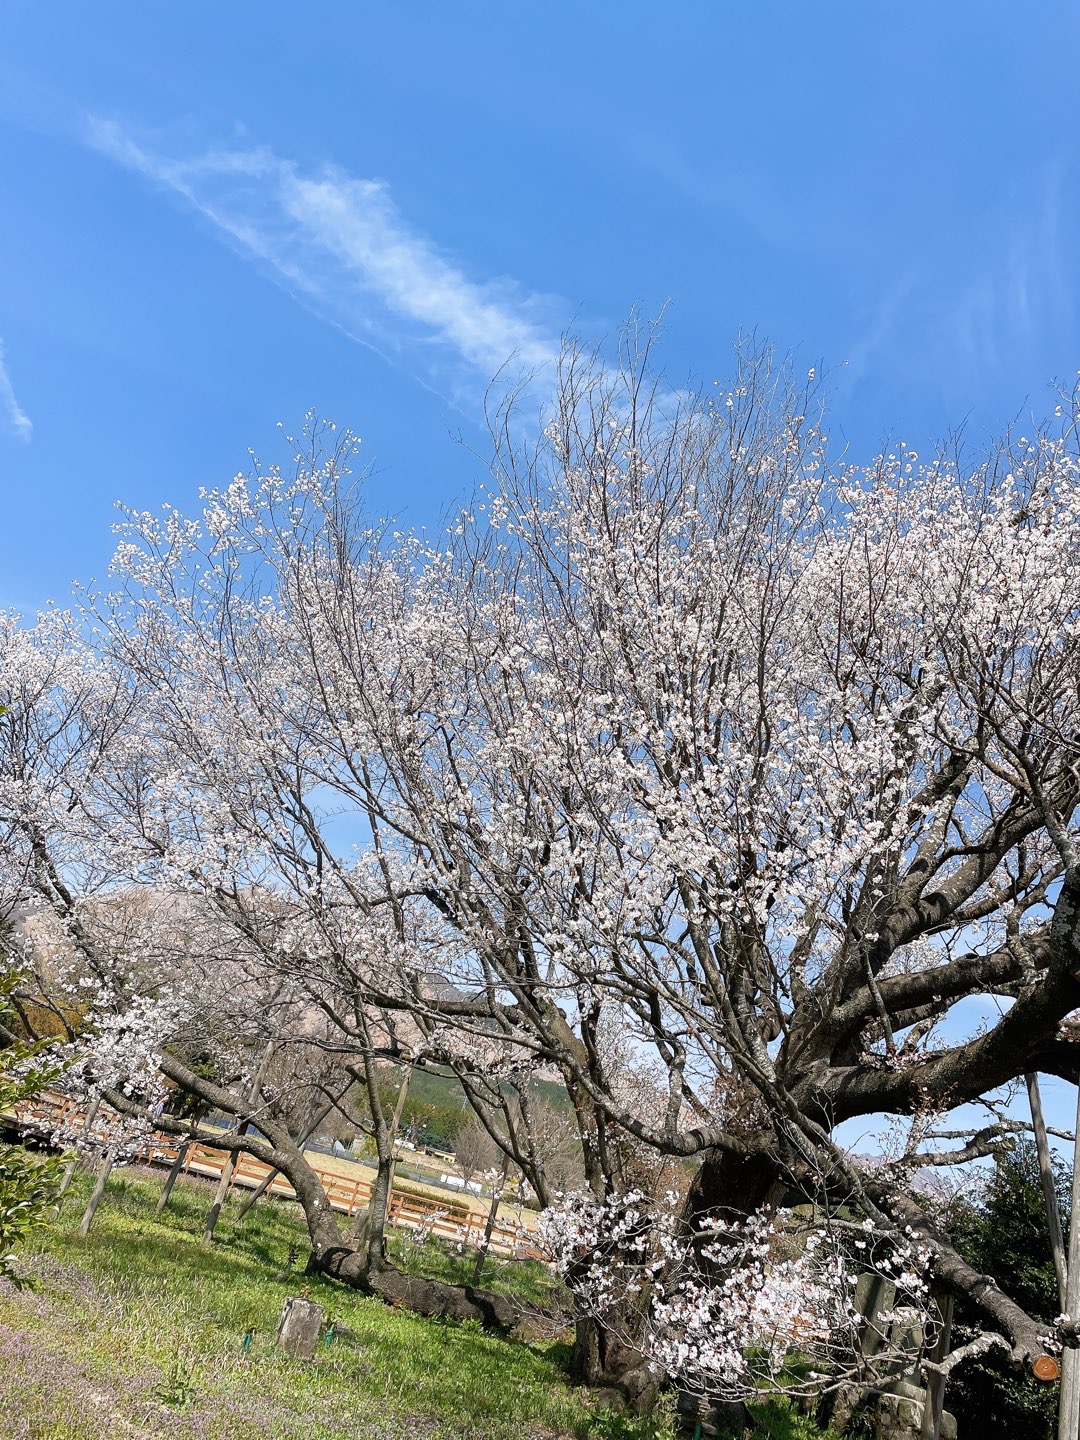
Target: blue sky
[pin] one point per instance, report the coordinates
(216, 216)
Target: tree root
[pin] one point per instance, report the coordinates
(432, 1298)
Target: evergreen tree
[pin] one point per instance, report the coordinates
(1005, 1232)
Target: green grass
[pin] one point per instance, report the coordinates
(779, 1421)
(138, 1331)
(528, 1279)
(140, 1326)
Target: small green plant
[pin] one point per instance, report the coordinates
(179, 1388)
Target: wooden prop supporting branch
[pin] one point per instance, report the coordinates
(73, 1164)
(496, 1196)
(174, 1174)
(934, 1405)
(230, 1164)
(395, 1122)
(1069, 1397)
(220, 1196)
(265, 1183)
(107, 1163)
(363, 1219)
(1046, 1174)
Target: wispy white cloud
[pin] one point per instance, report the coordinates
(875, 331)
(339, 243)
(787, 212)
(1023, 291)
(14, 415)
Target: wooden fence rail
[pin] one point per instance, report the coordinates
(455, 1221)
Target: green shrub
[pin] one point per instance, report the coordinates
(28, 1181)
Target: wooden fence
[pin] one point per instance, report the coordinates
(455, 1220)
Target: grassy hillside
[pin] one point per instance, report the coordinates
(138, 1331)
(435, 1088)
(435, 1109)
(139, 1326)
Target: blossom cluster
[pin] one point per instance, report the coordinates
(724, 1305)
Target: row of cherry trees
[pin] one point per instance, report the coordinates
(690, 766)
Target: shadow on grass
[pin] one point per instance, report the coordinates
(141, 1301)
(142, 1309)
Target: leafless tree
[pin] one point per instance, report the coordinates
(474, 1150)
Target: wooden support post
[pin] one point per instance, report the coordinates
(257, 1194)
(230, 1165)
(224, 1181)
(179, 1163)
(1046, 1174)
(269, 1179)
(485, 1244)
(73, 1164)
(108, 1160)
(935, 1384)
(394, 1123)
(363, 1219)
(1069, 1395)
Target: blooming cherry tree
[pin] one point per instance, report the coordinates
(686, 732)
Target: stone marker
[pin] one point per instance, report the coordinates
(300, 1326)
(900, 1414)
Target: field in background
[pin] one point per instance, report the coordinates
(348, 1183)
(347, 1168)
